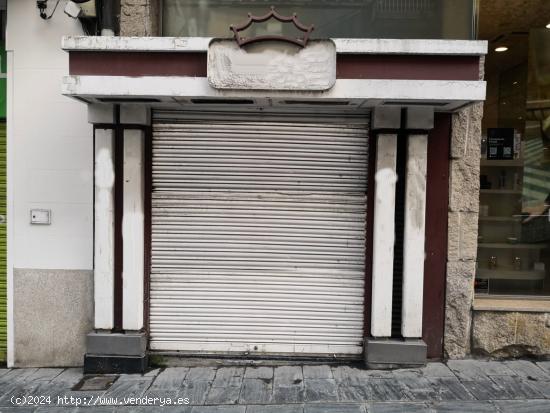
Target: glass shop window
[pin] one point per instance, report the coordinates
(407, 19)
(514, 217)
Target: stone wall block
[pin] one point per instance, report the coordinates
(466, 133)
(462, 237)
(460, 293)
(462, 227)
(139, 18)
(465, 155)
(460, 133)
(53, 312)
(464, 191)
(510, 334)
(453, 236)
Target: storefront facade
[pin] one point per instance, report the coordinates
(273, 220)
(272, 199)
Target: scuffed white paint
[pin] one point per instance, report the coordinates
(133, 231)
(104, 224)
(272, 67)
(412, 46)
(344, 46)
(383, 235)
(452, 91)
(414, 234)
(141, 44)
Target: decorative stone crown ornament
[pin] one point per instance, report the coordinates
(242, 41)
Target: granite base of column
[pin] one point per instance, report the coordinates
(109, 353)
(394, 353)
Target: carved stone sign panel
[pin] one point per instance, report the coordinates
(272, 65)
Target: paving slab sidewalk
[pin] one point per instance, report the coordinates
(456, 386)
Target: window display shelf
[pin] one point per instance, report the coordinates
(532, 304)
(504, 245)
(500, 219)
(501, 163)
(504, 274)
(501, 191)
(513, 240)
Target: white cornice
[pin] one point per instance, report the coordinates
(343, 46)
(186, 87)
(411, 47)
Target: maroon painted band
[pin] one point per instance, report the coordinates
(194, 64)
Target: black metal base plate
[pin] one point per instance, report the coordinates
(94, 364)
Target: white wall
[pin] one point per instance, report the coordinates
(51, 149)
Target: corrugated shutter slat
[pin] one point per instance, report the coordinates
(258, 233)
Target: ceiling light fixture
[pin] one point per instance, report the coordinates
(548, 26)
(501, 49)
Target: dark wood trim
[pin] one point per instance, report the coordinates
(348, 66)
(104, 126)
(148, 178)
(369, 232)
(137, 64)
(435, 265)
(410, 67)
(399, 220)
(134, 126)
(119, 200)
(93, 198)
(409, 131)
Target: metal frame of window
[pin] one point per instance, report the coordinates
(473, 28)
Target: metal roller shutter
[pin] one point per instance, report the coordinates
(258, 233)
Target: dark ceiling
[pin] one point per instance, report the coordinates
(507, 23)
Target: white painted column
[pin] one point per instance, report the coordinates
(104, 229)
(383, 235)
(133, 231)
(414, 234)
